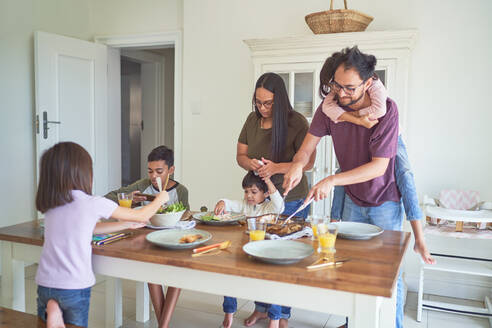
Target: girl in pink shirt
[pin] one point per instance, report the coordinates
(64, 275)
(368, 117)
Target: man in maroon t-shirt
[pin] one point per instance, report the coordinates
(366, 156)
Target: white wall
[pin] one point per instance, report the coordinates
(112, 17)
(18, 20)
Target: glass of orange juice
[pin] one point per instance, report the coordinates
(315, 220)
(125, 200)
(327, 236)
(256, 229)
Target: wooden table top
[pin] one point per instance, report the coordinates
(373, 267)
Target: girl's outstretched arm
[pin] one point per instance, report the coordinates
(107, 227)
(142, 214)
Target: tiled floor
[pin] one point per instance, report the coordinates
(199, 310)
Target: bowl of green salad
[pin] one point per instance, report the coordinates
(168, 216)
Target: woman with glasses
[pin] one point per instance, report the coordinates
(269, 139)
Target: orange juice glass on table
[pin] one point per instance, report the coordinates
(327, 236)
(125, 200)
(315, 220)
(256, 229)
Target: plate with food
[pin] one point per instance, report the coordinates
(283, 230)
(178, 239)
(357, 230)
(222, 219)
(278, 251)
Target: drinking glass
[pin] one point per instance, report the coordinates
(327, 236)
(125, 199)
(314, 221)
(256, 229)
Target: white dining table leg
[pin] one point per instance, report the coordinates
(366, 312)
(142, 298)
(114, 303)
(13, 280)
(388, 311)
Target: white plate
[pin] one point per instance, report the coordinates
(236, 217)
(170, 238)
(357, 230)
(278, 251)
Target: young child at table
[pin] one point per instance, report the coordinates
(260, 197)
(368, 117)
(64, 275)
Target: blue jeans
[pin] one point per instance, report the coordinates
(229, 305)
(404, 181)
(74, 304)
(275, 312)
(388, 216)
(292, 206)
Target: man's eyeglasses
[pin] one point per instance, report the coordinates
(268, 104)
(348, 90)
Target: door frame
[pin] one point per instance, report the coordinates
(158, 40)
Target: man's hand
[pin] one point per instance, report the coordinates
(138, 199)
(292, 178)
(321, 190)
(366, 122)
(268, 169)
(219, 207)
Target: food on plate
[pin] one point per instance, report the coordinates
(221, 217)
(173, 208)
(186, 239)
(284, 230)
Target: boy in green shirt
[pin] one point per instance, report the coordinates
(160, 164)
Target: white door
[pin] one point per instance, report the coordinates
(71, 90)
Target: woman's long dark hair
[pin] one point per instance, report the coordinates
(64, 167)
(281, 111)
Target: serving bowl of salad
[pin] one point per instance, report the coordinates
(168, 216)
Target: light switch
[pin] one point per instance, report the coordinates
(196, 107)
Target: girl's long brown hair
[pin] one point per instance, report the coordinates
(64, 167)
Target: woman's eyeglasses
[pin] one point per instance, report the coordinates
(267, 104)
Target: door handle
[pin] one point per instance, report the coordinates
(45, 124)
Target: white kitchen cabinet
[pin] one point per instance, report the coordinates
(298, 60)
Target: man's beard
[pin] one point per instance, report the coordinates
(350, 103)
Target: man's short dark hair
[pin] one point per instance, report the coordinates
(161, 153)
(251, 179)
(351, 58)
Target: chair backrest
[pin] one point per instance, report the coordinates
(459, 199)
